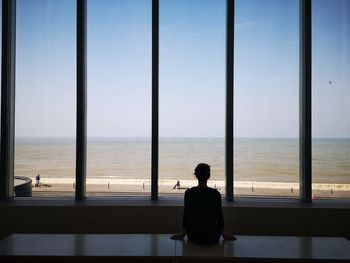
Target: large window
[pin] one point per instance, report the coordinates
(192, 92)
(331, 98)
(45, 95)
(119, 97)
(271, 96)
(266, 98)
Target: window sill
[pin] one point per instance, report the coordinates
(240, 202)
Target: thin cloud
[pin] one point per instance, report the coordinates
(199, 33)
(251, 23)
(276, 45)
(218, 29)
(191, 18)
(242, 25)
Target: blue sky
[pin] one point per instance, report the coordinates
(192, 68)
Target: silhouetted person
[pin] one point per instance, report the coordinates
(203, 222)
(177, 185)
(37, 178)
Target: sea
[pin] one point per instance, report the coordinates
(255, 159)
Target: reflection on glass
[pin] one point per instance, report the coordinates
(119, 97)
(45, 95)
(192, 92)
(266, 157)
(331, 99)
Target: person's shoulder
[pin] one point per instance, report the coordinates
(214, 191)
(190, 190)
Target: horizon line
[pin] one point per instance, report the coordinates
(177, 137)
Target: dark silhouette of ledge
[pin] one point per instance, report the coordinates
(23, 186)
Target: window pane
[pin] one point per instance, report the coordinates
(331, 98)
(266, 98)
(45, 95)
(119, 97)
(192, 92)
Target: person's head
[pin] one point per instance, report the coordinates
(202, 172)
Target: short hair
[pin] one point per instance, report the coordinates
(202, 172)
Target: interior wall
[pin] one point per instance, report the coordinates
(167, 219)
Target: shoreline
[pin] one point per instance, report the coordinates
(188, 183)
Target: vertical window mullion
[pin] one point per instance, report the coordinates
(305, 101)
(8, 99)
(155, 100)
(80, 191)
(229, 99)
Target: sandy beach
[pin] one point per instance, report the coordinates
(117, 186)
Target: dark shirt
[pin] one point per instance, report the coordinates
(202, 216)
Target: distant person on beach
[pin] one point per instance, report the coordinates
(203, 221)
(37, 178)
(177, 185)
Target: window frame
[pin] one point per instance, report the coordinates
(8, 101)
